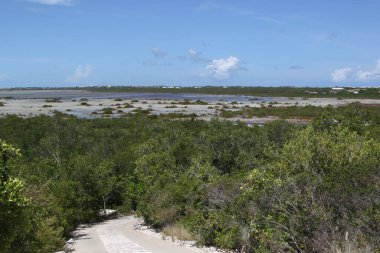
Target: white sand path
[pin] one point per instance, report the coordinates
(124, 235)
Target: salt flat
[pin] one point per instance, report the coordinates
(86, 104)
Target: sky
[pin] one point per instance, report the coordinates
(189, 42)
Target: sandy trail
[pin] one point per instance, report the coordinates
(124, 235)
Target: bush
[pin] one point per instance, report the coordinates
(107, 110)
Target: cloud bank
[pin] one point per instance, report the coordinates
(360, 75)
(82, 72)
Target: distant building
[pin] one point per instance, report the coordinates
(355, 91)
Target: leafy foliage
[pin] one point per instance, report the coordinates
(274, 188)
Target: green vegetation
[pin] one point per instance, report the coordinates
(107, 110)
(282, 91)
(2, 103)
(304, 92)
(356, 111)
(140, 111)
(276, 188)
(189, 102)
(13, 205)
(176, 115)
(127, 105)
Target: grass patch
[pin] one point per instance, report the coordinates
(178, 231)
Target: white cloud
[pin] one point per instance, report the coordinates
(196, 56)
(222, 69)
(82, 72)
(347, 74)
(369, 75)
(53, 2)
(158, 53)
(341, 75)
(192, 52)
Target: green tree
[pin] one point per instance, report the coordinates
(14, 224)
(105, 180)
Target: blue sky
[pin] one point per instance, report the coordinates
(189, 42)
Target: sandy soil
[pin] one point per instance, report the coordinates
(127, 235)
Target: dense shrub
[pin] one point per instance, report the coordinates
(276, 188)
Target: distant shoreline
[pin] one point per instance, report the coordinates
(257, 91)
